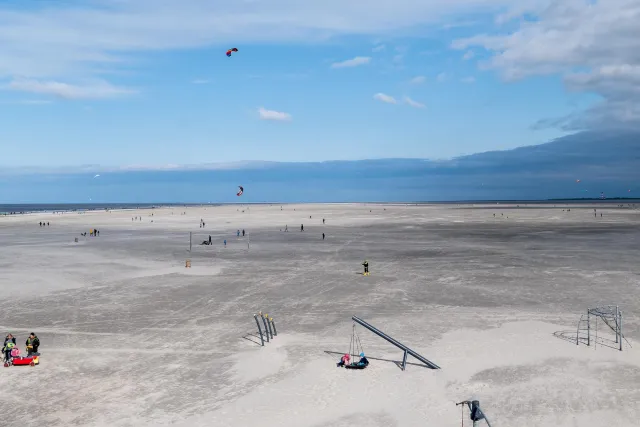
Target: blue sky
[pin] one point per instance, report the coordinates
(144, 82)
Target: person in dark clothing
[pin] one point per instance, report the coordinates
(209, 238)
(323, 220)
(32, 343)
(243, 233)
(322, 236)
(363, 360)
(301, 227)
(366, 267)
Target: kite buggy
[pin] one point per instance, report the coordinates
(12, 357)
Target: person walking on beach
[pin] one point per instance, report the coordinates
(322, 220)
(238, 233)
(301, 227)
(209, 238)
(286, 228)
(225, 243)
(243, 232)
(366, 267)
(322, 236)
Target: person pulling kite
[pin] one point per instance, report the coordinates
(241, 190)
(235, 49)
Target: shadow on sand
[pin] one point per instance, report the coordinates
(570, 336)
(398, 363)
(251, 336)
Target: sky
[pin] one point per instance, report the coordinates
(147, 83)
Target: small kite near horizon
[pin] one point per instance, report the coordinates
(235, 49)
(241, 191)
(96, 176)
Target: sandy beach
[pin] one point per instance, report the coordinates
(490, 293)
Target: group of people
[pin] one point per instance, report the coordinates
(10, 349)
(44, 224)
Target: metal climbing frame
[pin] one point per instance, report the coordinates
(401, 346)
(611, 315)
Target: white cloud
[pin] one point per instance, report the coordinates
(94, 90)
(467, 56)
(354, 62)
(418, 80)
(385, 98)
(378, 48)
(274, 115)
(413, 103)
(442, 77)
(468, 80)
(200, 81)
(594, 45)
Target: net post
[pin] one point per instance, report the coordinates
(404, 360)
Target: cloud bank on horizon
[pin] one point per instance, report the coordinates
(147, 81)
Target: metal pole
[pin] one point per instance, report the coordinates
(404, 360)
(269, 325)
(265, 326)
(595, 344)
(255, 316)
(588, 327)
(275, 332)
(189, 241)
(620, 331)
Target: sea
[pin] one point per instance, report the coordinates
(16, 209)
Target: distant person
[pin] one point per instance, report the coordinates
(286, 228)
(47, 223)
(322, 236)
(366, 267)
(301, 227)
(323, 220)
(40, 223)
(209, 238)
(225, 243)
(203, 224)
(32, 343)
(238, 233)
